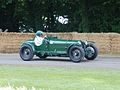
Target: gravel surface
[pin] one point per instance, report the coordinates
(104, 62)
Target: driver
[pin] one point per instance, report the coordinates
(39, 38)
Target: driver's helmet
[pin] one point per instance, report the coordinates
(39, 33)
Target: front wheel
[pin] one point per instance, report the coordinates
(76, 53)
(91, 52)
(26, 52)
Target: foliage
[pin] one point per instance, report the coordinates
(84, 15)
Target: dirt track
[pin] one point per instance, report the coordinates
(102, 62)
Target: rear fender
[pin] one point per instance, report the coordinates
(31, 45)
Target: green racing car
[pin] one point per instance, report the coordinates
(45, 47)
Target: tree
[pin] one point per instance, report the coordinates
(83, 15)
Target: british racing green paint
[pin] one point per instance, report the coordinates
(53, 46)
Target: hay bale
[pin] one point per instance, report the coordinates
(106, 42)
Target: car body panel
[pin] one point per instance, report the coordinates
(53, 46)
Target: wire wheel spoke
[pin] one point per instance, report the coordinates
(76, 54)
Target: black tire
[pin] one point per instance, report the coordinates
(91, 52)
(26, 52)
(76, 53)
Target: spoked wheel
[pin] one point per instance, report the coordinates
(91, 52)
(76, 54)
(26, 53)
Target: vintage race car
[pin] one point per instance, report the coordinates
(53, 46)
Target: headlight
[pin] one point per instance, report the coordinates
(86, 42)
(79, 42)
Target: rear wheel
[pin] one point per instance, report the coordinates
(91, 52)
(76, 53)
(26, 52)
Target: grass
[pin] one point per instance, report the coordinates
(16, 88)
(50, 78)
